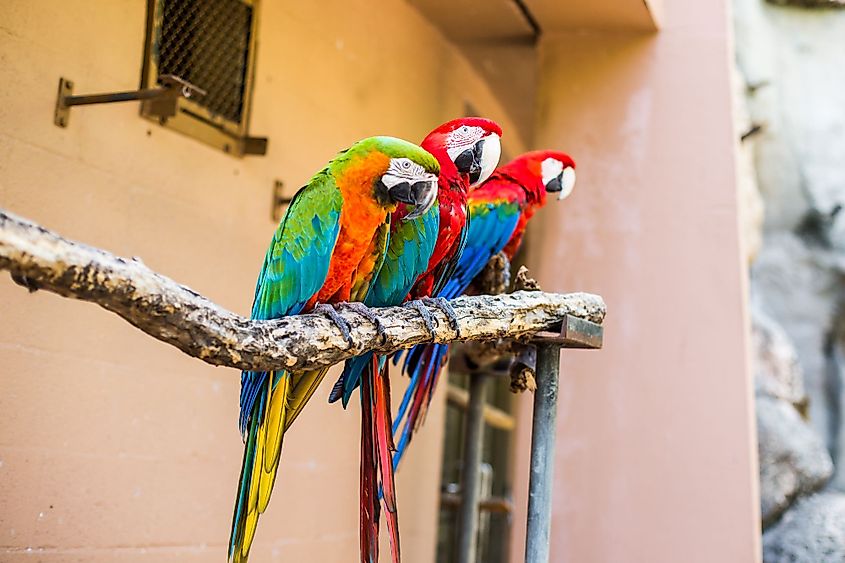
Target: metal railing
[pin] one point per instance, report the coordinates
(574, 333)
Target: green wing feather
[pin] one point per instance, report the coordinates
(297, 261)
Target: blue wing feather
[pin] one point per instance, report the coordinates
(490, 229)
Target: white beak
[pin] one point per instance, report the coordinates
(567, 182)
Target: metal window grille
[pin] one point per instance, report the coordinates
(211, 44)
(495, 488)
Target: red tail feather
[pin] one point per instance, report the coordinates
(369, 508)
(385, 446)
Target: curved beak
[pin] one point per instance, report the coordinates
(469, 161)
(421, 194)
(490, 154)
(480, 160)
(562, 183)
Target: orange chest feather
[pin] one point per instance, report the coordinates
(360, 218)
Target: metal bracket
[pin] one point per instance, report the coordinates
(574, 333)
(161, 101)
(253, 145)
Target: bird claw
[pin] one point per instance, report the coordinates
(365, 312)
(340, 322)
(444, 305)
(418, 306)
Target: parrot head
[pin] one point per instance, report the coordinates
(471, 143)
(542, 172)
(399, 172)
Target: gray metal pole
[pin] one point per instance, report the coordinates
(470, 470)
(542, 454)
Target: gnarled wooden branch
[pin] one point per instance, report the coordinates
(177, 315)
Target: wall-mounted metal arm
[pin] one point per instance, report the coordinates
(162, 99)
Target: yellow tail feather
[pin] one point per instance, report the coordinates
(257, 462)
(302, 388)
(250, 524)
(274, 422)
(284, 403)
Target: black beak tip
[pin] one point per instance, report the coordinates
(474, 174)
(401, 192)
(555, 185)
(465, 162)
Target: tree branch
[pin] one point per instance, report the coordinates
(177, 315)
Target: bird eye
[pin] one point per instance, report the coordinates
(406, 164)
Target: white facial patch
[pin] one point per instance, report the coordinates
(404, 170)
(461, 139)
(550, 168)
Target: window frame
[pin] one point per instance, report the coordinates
(192, 119)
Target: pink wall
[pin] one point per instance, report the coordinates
(656, 458)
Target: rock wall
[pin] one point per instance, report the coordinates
(791, 116)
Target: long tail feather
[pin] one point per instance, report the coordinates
(245, 518)
(262, 452)
(425, 366)
(369, 506)
(377, 478)
(434, 365)
(275, 423)
(385, 447)
(406, 398)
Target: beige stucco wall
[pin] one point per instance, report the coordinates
(656, 457)
(114, 447)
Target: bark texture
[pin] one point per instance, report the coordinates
(40, 259)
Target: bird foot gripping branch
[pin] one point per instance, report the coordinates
(418, 306)
(442, 304)
(368, 314)
(331, 313)
(422, 307)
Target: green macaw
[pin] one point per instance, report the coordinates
(327, 249)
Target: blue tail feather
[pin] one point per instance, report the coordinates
(423, 380)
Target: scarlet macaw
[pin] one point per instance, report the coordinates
(468, 150)
(499, 212)
(327, 249)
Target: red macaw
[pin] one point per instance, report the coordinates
(499, 212)
(327, 249)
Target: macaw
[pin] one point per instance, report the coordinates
(327, 249)
(467, 150)
(499, 211)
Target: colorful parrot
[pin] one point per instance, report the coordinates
(499, 212)
(468, 150)
(327, 249)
